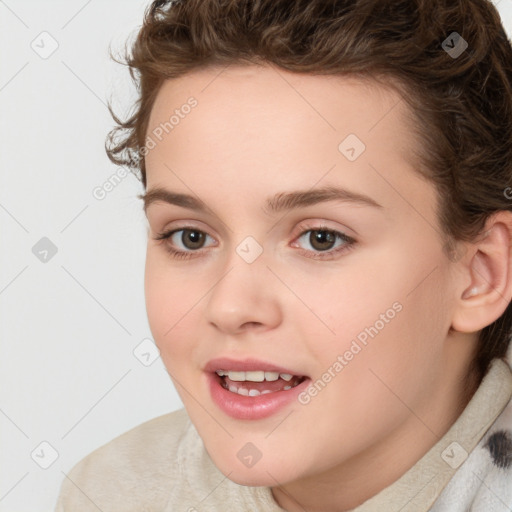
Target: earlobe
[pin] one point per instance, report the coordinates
(489, 270)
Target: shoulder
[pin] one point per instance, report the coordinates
(135, 467)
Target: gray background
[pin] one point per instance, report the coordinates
(78, 364)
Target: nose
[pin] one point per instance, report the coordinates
(244, 298)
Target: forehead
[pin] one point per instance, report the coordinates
(264, 91)
(264, 127)
(253, 100)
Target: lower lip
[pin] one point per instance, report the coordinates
(251, 407)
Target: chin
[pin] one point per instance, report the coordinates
(251, 479)
(262, 474)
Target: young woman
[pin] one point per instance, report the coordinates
(329, 273)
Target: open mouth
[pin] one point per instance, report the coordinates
(255, 383)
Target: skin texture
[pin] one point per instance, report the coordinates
(259, 131)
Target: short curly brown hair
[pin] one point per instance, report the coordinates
(461, 96)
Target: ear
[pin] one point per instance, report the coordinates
(488, 269)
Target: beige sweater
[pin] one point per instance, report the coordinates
(162, 465)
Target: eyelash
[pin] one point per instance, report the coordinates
(320, 255)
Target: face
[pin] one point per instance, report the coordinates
(349, 292)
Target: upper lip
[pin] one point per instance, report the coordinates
(246, 365)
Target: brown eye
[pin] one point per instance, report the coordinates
(324, 243)
(192, 238)
(322, 240)
(184, 243)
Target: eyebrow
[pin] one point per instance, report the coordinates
(282, 201)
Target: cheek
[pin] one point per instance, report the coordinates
(170, 298)
(393, 310)
(344, 305)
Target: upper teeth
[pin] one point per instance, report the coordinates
(257, 376)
